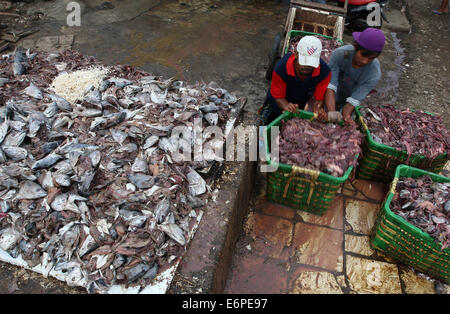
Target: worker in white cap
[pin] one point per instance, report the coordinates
(297, 78)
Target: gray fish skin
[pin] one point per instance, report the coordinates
(31, 56)
(215, 99)
(2, 156)
(30, 191)
(141, 181)
(104, 85)
(61, 121)
(139, 165)
(4, 130)
(33, 127)
(46, 162)
(209, 108)
(88, 246)
(93, 96)
(138, 221)
(197, 184)
(119, 82)
(89, 113)
(51, 110)
(3, 81)
(9, 238)
(60, 102)
(174, 232)
(15, 153)
(95, 157)
(212, 118)
(119, 260)
(152, 140)
(14, 139)
(229, 98)
(136, 272)
(64, 166)
(161, 210)
(5, 206)
(77, 147)
(86, 183)
(151, 273)
(131, 147)
(33, 91)
(62, 179)
(118, 136)
(105, 122)
(8, 182)
(166, 145)
(18, 67)
(50, 146)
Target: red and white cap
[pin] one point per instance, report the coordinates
(309, 49)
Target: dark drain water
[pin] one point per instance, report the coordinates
(393, 76)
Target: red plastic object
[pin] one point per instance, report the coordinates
(358, 2)
(2, 215)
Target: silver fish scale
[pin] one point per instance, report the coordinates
(105, 162)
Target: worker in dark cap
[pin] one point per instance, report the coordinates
(355, 71)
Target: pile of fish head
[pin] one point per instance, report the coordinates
(89, 188)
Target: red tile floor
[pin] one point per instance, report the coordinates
(285, 251)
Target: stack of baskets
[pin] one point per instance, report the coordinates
(392, 234)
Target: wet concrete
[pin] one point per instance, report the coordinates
(222, 41)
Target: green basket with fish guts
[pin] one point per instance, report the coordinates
(406, 243)
(379, 162)
(294, 33)
(296, 187)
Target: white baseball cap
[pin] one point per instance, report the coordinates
(309, 49)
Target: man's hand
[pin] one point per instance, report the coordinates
(347, 114)
(334, 116)
(288, 107)
(349, 121)
(318, 109)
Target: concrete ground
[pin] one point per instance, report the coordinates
(287, 251)
(228, 42)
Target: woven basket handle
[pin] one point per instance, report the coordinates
(393, 185)
(314, 174)
(363, 123)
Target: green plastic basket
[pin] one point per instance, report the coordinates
(379, 161)
(295, 33)
(406, 243)
(300, 188)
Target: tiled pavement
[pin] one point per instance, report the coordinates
(284, 251)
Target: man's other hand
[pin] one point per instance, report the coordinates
(289, 107)
(349, 121)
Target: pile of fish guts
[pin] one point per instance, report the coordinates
(88, 187)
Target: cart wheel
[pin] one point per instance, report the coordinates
(273, 56)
